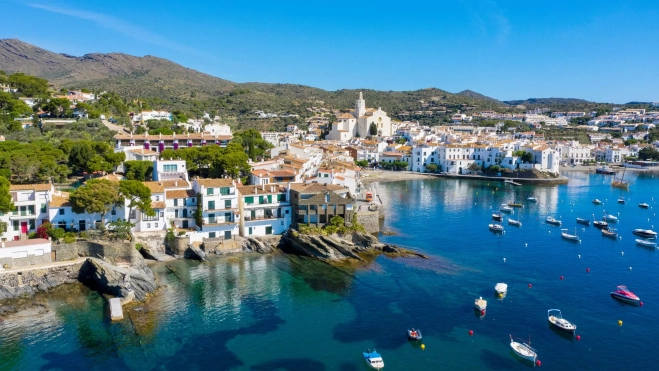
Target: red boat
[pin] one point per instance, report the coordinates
(621, 293)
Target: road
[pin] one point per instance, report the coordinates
(113, 127)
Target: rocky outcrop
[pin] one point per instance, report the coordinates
(259, 245)
(193, 252)
(137, 280)
(149, 252)
(26, 284)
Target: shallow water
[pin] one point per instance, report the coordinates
(279, 312)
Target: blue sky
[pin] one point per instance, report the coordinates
(603, 51)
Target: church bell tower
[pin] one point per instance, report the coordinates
(360, 106)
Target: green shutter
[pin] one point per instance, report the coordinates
(209, 191)
(249, 200)
(269, 199)
(260, 199)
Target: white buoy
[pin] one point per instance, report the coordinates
(504, 260)
(526, 245)
(549, 232)
(630, 268)
(622, 253)
(579, 256)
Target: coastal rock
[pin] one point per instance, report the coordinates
(26, 284)
(150, 253)
(255, 244)
(193, 252)
(118, 281)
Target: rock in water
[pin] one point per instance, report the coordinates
(255, 244)
(118, 281)
(193, 252)
(151, 253)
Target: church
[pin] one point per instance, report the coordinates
(358, 123)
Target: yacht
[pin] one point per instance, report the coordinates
(496, 228)
(505, 208)
(601, 224)
(373, 359)
(571, 237)
(611, 218)
(532, 199)
(621, 200)
(523, 349)
(514, 222)
(643, 205)
(604, 170)
(597, 202)
(623, 294)
(609, 232)
(647, 233)
(501, 289)
(583, 221)
(646, 243)
(480, 304)
(555, 318)
(551, 220)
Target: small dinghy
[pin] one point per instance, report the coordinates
(480, 304)
(597, 202)
(523, 349)
(496, 228)
(621, 200)
(514, 222)
(497, 217)
(643, 205)
(414, 334)
(583, 221)
(551, 220)
(505, 208)
(555, 318)
(501, 289)
(373, 359)
(623, 294)
(646, 243)
(532, 199)
(610, 232)
(601, 224)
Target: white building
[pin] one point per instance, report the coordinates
(218, 199)
(264, 210)
(358, 123)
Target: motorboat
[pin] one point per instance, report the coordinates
(501, 289)
(611, 218)
(523, 349)
(414, 334)
(597, 202)
(373, 359)
(532, 199)
(601, 224)
(609, 232)
(480, 304)
(623, 294)
(553, 221)
(571, 237)
(604, 170)
(643, 205)
(496, 228)
(583, 221)
(646, 243)
(621, 200)
(514, 222)
(514, 204)
(497, 217)
(647, 233)
(505, 208)
(555, 318)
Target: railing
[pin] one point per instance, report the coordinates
(260, 217)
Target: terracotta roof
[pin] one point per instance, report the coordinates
(345, 116)
(255, 189)
(221, 182)
(30, 187)
(282, 173)
(60, 201)
(113, 177)
(315, 187)
(33, 241)
(179, 193)
(144, 152)
(158, 204)
(155, 187)
(260, 172)
(206, 136)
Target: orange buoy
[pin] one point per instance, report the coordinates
(471, 332)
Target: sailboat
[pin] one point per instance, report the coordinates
(620, 182)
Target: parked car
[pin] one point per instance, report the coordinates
(112, 120)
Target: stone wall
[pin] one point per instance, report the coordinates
(9, 263)
(370, 220)
(155, 243)
(116, 252)
(178, 245)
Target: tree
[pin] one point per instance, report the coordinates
(96, 196)
(648, 153)
(527, 157)
(473, 167)
(432, 167)
(121, 229)
(373, 129)
(80, 156)
(361, 163)
(139, 170)
(57, 233)
(138, 196)
(6, 203)
(57, 106)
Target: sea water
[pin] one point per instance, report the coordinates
(278, 312)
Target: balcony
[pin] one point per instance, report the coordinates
(260, 217)
(23, 215)
(220, 208)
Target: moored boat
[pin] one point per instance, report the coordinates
(505, 208)
(571, 237)
(623, 294)
(610, 218)
(497, 217)
(523, 349)
(515, 204)
(501, 289)
(601, 224)
(496, 228)
(646, 243)
(597, 202)
(609, 232)
(373, 359)
(621, 200)
(643, 205)
(551, 220)
(414, 334)
(647, 233)
(480, 304)
(514, 222)
(555, 317)
(532, 199)
(583, 221)
(620, 182)
(604, 170)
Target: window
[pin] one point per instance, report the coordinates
(176, 202)
(156, 225)
(175, 214)
(211, 205)
(30, 210)
(249, 200)
(61, 211)
(281, 198)
(227, 204)
(43, 208)
(211, 218)
(209, 191)
(15, 225)
(268, 230)
(148, 225)
(32, 224)
(269, 199)
(211, 235)
(169, 168)
(227, 217)
(147, 218)
(114, 211)
(227, 235)
(225, 191)
(133, 214)
(249, 231)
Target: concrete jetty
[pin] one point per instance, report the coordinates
(116, 312)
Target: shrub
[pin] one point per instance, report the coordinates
(181, 233)
(138, 246)
(32, 235)
(83, 235)
(44, 230)
(70, 237)
(57, 233)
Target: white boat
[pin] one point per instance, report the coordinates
(643, 205)
(514, 222)
(373, 359)
(501, 289)
(611, 218)
(480, 304)
(597, 202)
(523, 349)
(505, 208)
(496, 228)
(571, 237)
(552, 220)
(646, 243)
(532, 199)
(604, 170)
(621, 200)
(647, 233)
(555, 318)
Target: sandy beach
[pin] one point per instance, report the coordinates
(380, 176)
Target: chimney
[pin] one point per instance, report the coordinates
(176, 183)
(263, 187)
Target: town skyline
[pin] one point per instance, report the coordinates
(319, 48)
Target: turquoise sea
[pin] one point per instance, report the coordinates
(278, 312)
